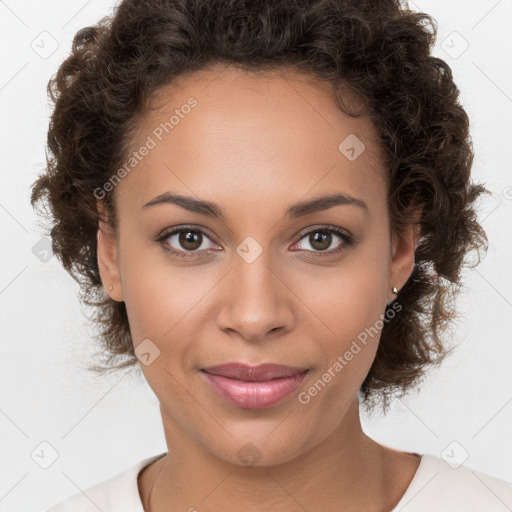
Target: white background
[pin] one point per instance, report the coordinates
(101, 426)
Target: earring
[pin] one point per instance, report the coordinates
(395, 290)
(111, 287)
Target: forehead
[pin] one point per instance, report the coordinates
(226, 129)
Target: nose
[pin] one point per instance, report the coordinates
(256, 301)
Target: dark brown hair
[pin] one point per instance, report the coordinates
(378, 49)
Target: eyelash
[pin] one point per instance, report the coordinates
(348, 240)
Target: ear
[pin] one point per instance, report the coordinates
(108, 261)
(403, 247)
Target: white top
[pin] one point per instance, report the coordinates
(434, 487)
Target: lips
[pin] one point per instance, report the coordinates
(253, 387)
(262, 372)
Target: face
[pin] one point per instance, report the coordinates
(249, 265)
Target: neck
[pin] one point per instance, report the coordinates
(347, 471)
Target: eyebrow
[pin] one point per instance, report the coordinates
(295, 211)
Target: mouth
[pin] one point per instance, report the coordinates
(253, 387)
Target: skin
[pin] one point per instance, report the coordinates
(255, 145)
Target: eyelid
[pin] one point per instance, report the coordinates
(324, 227)
(167, 232)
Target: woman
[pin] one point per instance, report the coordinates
(270, 205)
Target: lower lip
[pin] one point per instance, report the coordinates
(254, 395)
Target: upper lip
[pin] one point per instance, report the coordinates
(262, 372)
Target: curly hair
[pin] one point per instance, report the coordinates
(379, 50)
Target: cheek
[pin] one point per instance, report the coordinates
(354, 317)
(155, 294)
(166, 306)
(352, 297)
(351, 308)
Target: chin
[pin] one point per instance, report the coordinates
(262, 446)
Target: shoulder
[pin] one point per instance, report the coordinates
(441, 487)
(119, 493)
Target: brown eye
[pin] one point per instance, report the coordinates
(323, 240)
(186, 242)
(190, 240)
(320, 240)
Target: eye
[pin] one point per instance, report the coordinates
(186, 242)
(321, 239)
(192, 242)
